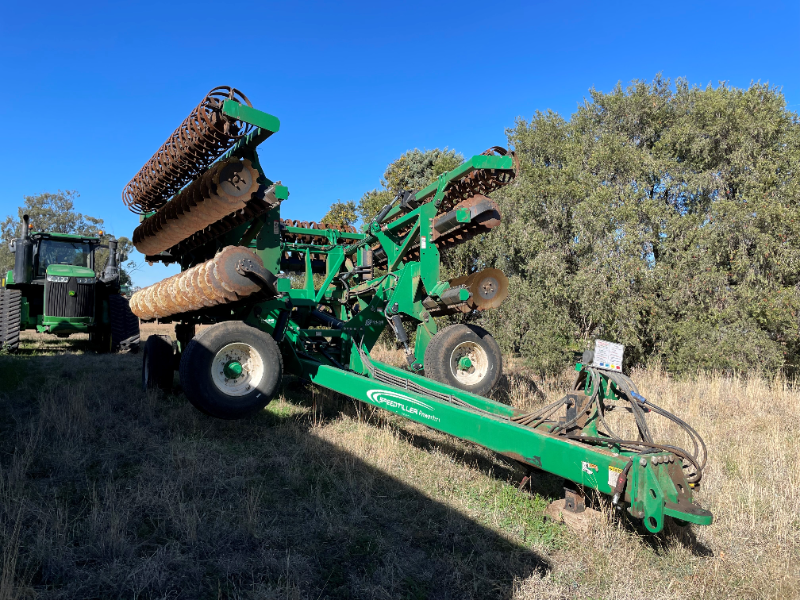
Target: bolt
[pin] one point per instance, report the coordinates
(654, 460)
(643, 461)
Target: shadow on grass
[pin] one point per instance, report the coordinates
(116, 493)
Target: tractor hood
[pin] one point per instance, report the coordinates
(69, 271)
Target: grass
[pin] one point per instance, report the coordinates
(107, 492)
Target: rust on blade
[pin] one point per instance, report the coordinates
(226, 188)
(202, 137)
(207, 284)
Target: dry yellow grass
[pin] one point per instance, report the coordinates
(109, 492)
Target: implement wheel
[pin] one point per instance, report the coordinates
(157, 363)
(465, 357)
(10, 315)
(231, 370)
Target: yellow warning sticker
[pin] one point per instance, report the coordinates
(613, 475)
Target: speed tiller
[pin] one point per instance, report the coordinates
(302, 298)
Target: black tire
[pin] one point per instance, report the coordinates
(10, 315)
(100, 340)
(444, 349)
(124, 325)
(231, 340)
(157, 363)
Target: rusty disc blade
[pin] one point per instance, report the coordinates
(226, 272)
(489, 288)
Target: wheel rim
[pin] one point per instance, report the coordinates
(469, 363)
(236, 369)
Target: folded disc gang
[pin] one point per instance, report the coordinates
(208, 284)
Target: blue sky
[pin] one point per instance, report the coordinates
(93, 89)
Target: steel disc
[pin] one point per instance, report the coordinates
(237, 181)
(489, 288)
(226, 270)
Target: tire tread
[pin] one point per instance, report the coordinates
(10, 305)
(159, 349)
(124, 325)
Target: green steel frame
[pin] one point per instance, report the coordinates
(339, 359)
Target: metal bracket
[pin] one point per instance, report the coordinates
(574, 501)
(262, 276)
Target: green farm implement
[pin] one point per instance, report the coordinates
(54, 289)
(207, 204)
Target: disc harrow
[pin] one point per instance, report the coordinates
(202, 138)
(476, 182)
(222, 190)
(205, 190)
(211, 283)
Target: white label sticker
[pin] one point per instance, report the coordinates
(613, 475)
(608, 355)
(422, 242)
(276, 228)
(589, 468)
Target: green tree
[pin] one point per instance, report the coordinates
(414, 170)
(663, 217)
(56, 213)
(341, 215)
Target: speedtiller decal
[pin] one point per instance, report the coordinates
(396, 400)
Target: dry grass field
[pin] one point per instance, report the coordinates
(108, 492)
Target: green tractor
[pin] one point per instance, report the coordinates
(54, 289)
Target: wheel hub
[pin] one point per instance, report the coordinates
(236, 369)
(469, 363)
(232, 369)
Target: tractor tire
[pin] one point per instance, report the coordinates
(465, 357)
(231, 370)
(124, 325)
(158, 368)
(100, 340)
(10, 315)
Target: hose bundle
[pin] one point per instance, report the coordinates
(627, 391)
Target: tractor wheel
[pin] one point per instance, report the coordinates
(124, 325)
(10, 305)
(157, 363)
(231, 370)
(465, 357)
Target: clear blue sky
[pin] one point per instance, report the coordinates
(92, 90)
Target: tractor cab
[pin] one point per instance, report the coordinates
(67, 254)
